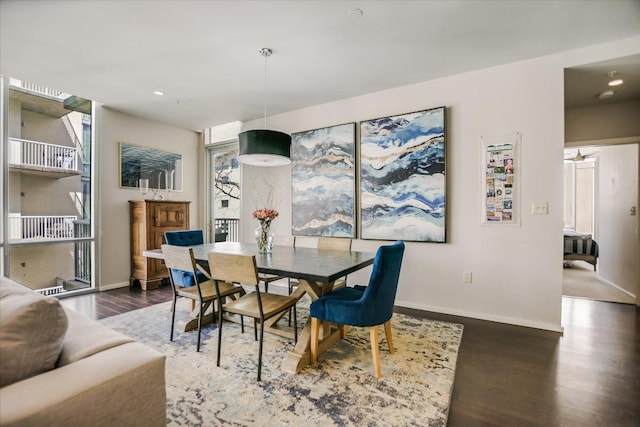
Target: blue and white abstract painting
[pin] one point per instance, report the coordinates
(323, 182)
(402, 185)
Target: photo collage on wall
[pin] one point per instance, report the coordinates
(500, 182)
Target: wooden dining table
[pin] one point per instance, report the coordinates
(315, 269)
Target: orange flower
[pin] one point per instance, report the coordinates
(265, 214)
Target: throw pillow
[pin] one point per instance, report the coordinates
(32, 328)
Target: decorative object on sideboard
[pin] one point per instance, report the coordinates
(262, 147)
(143, 184)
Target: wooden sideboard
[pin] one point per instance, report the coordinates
(149, 220)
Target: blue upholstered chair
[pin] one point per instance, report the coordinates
(184, 279)
(363, 306)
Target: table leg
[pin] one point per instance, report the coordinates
(300, 356)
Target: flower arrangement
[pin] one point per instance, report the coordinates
(263, 237)
(265, 216)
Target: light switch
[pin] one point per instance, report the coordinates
(540, 208)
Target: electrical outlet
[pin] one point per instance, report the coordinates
(540, 208)
(467, 277)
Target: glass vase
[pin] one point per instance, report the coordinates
(264, 239)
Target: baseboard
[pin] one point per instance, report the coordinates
(482, 316)
(113, 286)
(616, 286)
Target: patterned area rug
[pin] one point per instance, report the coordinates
(341, 390)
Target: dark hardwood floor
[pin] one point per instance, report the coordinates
(510, 375)
(99, 305)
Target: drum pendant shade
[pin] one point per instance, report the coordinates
(264, 148)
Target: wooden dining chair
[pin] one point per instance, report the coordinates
(260, 306)
(203, 293)
(363, 306)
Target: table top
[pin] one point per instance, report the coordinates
(320, 265)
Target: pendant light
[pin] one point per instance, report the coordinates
(262, 147)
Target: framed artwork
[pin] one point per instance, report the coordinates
(323, 182)
(162, 168)
(402, 177)
(501, 179)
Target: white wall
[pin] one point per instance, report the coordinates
(517, 271)
(617, 228)
(113, 206)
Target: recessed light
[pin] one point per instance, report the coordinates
(605, 94)
(616, 82)
(158, 92)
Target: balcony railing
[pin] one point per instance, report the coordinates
(82, 268)
(231, 226)
(40, 227)
(39, 89)
(42, 155)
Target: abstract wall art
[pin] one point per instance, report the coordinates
(402, 177)
(138, 162)
(323, 182)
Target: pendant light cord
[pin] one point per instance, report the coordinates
(265, 89)
(265, 52)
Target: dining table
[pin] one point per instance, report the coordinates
(316, 270)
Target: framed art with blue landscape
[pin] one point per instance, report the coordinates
(162, 169)
(403, 177)
(323, 182)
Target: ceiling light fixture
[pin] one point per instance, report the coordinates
(606, 94)
(158, 92)
(616, 82)
(264, 147)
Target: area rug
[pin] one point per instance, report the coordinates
(341, 390)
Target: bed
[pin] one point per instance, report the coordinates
(580, 247)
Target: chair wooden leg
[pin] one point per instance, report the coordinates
(200, 314)
(387, 332)
(173, 316)
(260, 350)
(219, 338)
(375, 351)
(315, 330)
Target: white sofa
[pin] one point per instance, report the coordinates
(59, 368)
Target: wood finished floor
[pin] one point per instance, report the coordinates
(509, 375)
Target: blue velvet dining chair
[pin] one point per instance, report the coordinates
(363, 306)
(185, 279)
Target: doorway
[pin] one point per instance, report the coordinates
(601, 192)
(223, 222)
(601, 101)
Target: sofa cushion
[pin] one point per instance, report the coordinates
(32, 329)
(86, 337)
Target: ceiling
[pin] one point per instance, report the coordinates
(583, 84)
(204, 54)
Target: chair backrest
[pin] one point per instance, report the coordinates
(379, 297)
(184, 237)
(233, 268)
(178, 257)
(336, 243)
(282, 240)
(181, 262)
(182, 277)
